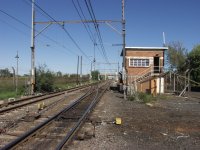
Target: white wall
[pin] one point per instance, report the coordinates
(160, 89)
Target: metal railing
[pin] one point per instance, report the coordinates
(151, 71)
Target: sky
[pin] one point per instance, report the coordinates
(146, 20)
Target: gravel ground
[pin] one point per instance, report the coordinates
(173, 123)
(17, 125)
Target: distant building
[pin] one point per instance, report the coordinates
(144, 68)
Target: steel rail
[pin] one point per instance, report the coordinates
(35, 129)
(28, 103)
(72, 132)
(29, 98)
(35, 101)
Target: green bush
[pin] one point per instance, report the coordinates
(142, 97)
(132, 98)
(95, 75)
(44, 79)
(145, 97)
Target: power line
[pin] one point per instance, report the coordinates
(14, 18)
(92, 15)
(19, 21)
(86, 27)
(12, 26)
(18, 30)
(85, 18)
(27, 2)
(65, 30)
(98, 31)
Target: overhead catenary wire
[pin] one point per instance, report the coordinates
(85, 19)
(27, 2)
(65, 30)
(20, 31)
(99, 33)
(92, 38)
(86, 26)
(92, 15)
(47, 37)
(95, 23)
(12, 26)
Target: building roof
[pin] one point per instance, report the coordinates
(147, 48)
(144, 49)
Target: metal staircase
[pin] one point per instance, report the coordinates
(149, 73)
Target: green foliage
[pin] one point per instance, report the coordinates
(142, 97)
(44, 79)
(132, 98)
(145, 98)
(8, 89)
(7, 94)
(95, 75)
(59, 74)
(194, 63)
(5, 73)
(176, 56)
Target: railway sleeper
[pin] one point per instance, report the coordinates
(31, 117)
(49, 136)
(15, 133)
(69, 118)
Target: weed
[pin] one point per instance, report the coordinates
(132, 98)
(142, 97)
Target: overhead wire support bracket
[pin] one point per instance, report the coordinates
(43, 29)
(77, 21)
(113, 28)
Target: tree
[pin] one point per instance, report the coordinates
(5, 73)
(193, 62)
(95, 75)
(177, 56)
(59, 74)
(44, 79)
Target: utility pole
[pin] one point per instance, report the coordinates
(14, 83)
(81, 71)
(33, 49)
(77, 71)
(164, 43)
(95, 44)
(17, 57)
(91, 72)
(118, 68)
(174, 83)
(124, 53)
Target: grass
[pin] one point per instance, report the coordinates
(64, 86)
(62, 83)
(7, 88)
(7, 94)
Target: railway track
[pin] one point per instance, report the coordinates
(35, 99)
(56, 131)
(24, 112)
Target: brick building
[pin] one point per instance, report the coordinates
(144, 68)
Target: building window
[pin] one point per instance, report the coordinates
(138, 62)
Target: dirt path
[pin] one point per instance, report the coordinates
(168, 124)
